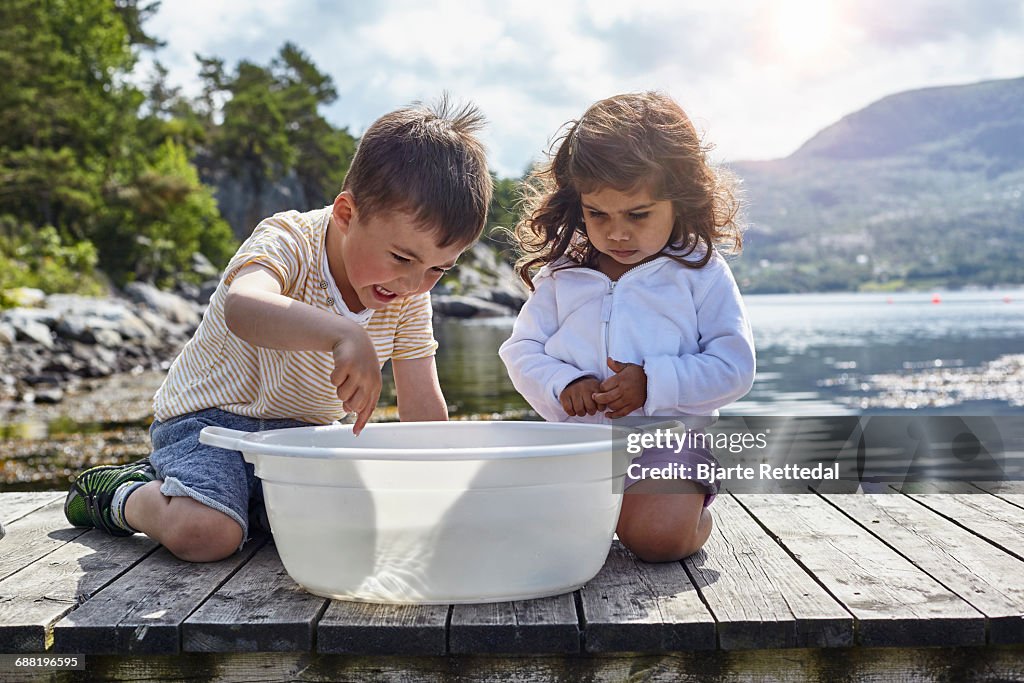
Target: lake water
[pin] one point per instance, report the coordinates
(818, 354)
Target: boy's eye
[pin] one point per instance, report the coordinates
(596, 214)
(440, 270)
(639, 216)
(400, 259)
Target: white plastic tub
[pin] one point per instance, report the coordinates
(437, 512)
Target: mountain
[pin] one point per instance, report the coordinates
(924, 188)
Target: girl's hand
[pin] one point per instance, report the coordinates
(625, 391)
(356, 376)
(577, 399)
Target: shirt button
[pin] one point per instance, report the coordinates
(330, 302)
(323, 284)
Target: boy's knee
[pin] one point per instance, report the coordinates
(202, 534)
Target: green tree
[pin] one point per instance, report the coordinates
(78, 154)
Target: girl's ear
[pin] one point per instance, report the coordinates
(343, 211)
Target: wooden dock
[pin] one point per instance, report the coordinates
(823, 587)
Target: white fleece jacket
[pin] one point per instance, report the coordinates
(687, 327)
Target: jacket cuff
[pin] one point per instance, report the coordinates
(564, 378)
(662, 386)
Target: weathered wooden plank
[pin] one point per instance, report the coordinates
(36, 597)
(895, 603)
(547, 625)
(1010, 491)
(141, 612)
(365, 628)
(17, 504)
(259, 609)
(878, 665)
(986, 577)
(35, 536)
(633, 606)
(994, 519)
(759, 595)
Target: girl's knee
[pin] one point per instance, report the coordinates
(668, 542)
(671, 546)
(200, 534)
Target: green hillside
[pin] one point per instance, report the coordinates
(921, 189)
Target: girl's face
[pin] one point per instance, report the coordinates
(628, 228)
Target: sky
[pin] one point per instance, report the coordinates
(758, 77)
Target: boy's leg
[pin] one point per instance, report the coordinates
(194, 498)
(190, 530)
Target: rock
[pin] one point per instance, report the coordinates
(48, 379)
(202, 267)
(82, 317)
(170, 306)
(108, 338)
(187, 290)
(455, 306)
(25, 296)
(7, 334)
(49, 395)
(206, 291)
(29, 325)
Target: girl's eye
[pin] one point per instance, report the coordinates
(400, 259)
(596, 214)
(639, 216)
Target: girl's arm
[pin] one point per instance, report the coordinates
(539, 377)
(418, 389)
(722, 372)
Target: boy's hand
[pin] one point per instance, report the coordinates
(356, 377)
(577, 399)
(625, 391)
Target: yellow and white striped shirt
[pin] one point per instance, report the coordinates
(216, 369)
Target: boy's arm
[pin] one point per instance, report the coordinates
(255, 310)
(418, 389)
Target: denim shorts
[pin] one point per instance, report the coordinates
(671, 465)
(217, 478)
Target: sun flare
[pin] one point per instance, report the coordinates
(804, 28)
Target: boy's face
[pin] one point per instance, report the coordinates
(387, 257)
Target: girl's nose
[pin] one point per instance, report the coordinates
(618, 233)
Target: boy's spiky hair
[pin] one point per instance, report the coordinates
(426, 160)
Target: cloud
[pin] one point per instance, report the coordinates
(760, 76)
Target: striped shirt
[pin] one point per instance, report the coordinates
(217, 369)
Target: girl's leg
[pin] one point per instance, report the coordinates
(190, 530)
(664, 520)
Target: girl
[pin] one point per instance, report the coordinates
(633, 310)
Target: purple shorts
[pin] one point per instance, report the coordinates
(693, 464)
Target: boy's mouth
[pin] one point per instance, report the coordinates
(384, 295)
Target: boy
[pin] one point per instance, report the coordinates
(307, 312)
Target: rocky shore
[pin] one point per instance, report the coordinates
(52, 345)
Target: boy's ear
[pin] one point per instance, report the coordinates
(344, 210)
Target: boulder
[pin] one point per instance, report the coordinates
(28, 297)
(457, 306)
(171, 306)
(30, 325)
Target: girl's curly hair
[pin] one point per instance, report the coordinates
(627, 142)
